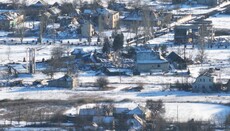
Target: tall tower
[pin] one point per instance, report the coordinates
(31, 62)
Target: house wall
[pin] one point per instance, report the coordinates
(150, 67)
(203, 84)
(87, 30)
(179, 65)
(114, 20)
(63, 83)
(9, 24)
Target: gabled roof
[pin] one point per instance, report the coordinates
(56, 4)
(9, 15)
(54, 10)
(206, 73)
(40, 3)
(104, 11)
(139, 110)
(175, 58)
(149, 56)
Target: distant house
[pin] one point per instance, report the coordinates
(55, 12)
(138, 17)
(150, 61)
(9, 20)
(176, 61)
(36, 9)
(136, 123)
(210, 2)
(205, 82)
(87, 29)
(66, 81)
(141, 112)
(117, 6)
(95, 111)
(64, 20)
(56, 4)
(110, 18)
(191, 33)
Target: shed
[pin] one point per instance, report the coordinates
(176, 60)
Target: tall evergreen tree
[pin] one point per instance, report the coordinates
(118, 42)
(106, 45)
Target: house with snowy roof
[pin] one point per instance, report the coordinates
(139, 17)
(66, 81)
(176, 61)
(141, 112)
(205, 82)
(150, 61)
(109, 17)
(9, 20)
(136, 123)
(36, 9)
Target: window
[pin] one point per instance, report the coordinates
(158, 65)
(203, 80)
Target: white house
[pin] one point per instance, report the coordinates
(204, 83)
(150, 61)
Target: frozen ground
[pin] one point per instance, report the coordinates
(220, 20)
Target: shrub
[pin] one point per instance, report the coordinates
(102, 82)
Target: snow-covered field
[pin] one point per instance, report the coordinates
(180, 105)
(220, 20)
(174, 112)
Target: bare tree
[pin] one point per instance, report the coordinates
(55, 63)
(21, 27)
(147, 21)
(156, 108)
(43, 25)
(201, 55)
(57, 52)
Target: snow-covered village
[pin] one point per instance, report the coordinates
(114, 65)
